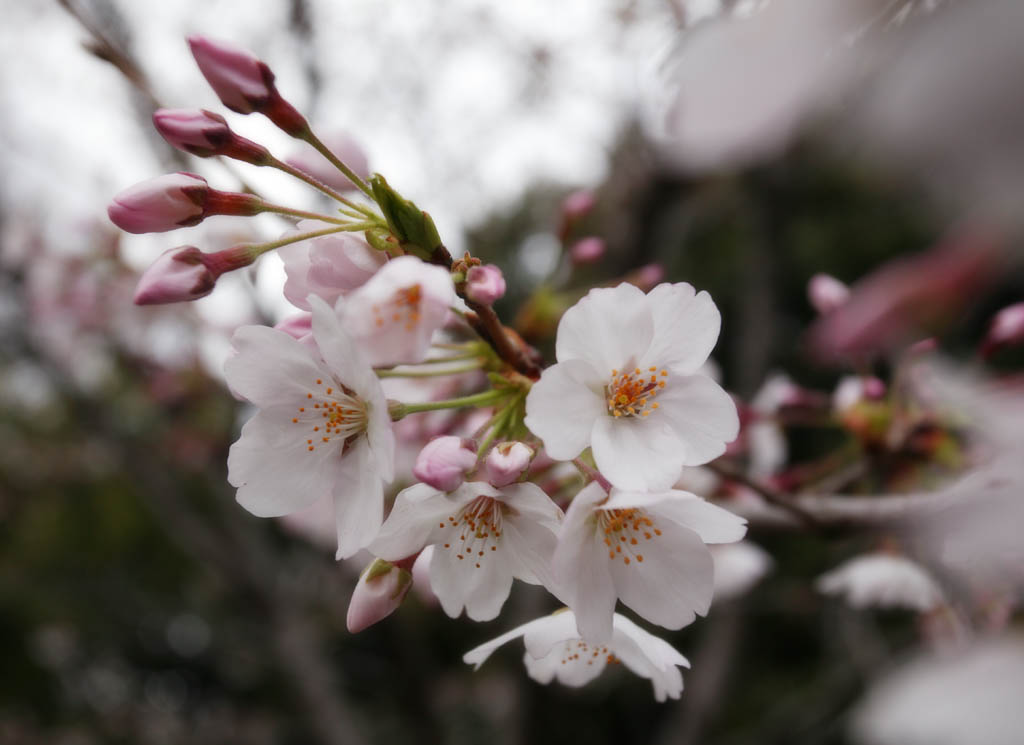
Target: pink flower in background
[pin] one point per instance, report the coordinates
(395, 314)
(554, 649)
(826, 293)
(627, 385)
(483, 537)
(347, 150)
(328, 266)
(644, 548)
(322, 428)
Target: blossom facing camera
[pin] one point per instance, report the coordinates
(647, 549)
(483, 538)
(443, 463)
(322, 428)
(628, 385)
(381, 589)
(485, 284)
(554, 650)
(179, 274)
(159, 204)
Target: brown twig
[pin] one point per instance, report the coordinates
(783, 501)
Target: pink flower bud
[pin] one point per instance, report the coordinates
(1006, 329)
(647, 276)
(578, 205)
(507, 462)
(826, 293)
(485, 284)
(244, 83)
(443, 463)
(587, 251)
(381, 589)
(310, 161)
(203, 133)
(186, 273)
(179, 274)
(163, 203)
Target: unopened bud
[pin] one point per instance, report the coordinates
(173, 201)
(647, 277)
(310, 161)
(443, 463)
(244, 83)
(578, 205)
(186, 273)
(826, 293)
(587, 251)
(204, 134)
(1006, 329)
(485, 284)
(507, 462)
(381, 589)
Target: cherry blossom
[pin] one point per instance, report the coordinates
(883, 581)
(644, 548)
(555, 650)
(627, 385)
(322, 427)
(483, 537)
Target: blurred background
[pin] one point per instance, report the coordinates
(743, 147)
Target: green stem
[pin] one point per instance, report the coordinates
(319, 186)
(485, 398)
(261, 248)
(313, 140)
(428, 373)
(281, 210)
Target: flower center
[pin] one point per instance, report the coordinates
(623, 530)
(333, 415)
(478, 527)
(631, 393)
(576, 651)
(404, 306)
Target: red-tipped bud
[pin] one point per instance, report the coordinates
(826, 293)
(381, 589)
(587, 251)
(186, 273)
(310, 161)
(244, 83)
(485, 284)
(175, 200)
(1006, 329)
(443, 463)
(507, 462)
(204, 134)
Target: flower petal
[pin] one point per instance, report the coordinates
(686, 327)
(562, 407)
(635, 453)
(340, 351)
(358, 500)
(702, 415)
(417, 512)
(478, 655)
(712, 523)
(611, 327)
(269, 367)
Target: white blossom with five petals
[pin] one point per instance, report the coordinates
(647, 549)
(483, 537)
(555, 650)
(627, 384)
(322, 428)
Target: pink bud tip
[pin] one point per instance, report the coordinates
(485, 284)
(577, 205)
(507, 462)
(1006, 329)
(240, 80)
(381, 589)
(178, 275)
(443, 463)
(163, 203)
(826, 293)
(587, 251)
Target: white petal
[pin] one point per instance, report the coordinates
(563, 405)
(459, 584)
(340, 351)
(358, 500)
(269, 367)
(417, 512)
(673, 583)
(660, 653)
(581, 569)
(272, 468)
(540, 640)
(637, 453)
(530, 501)
(568, 663)
(702, 415)
(686, 326)
(478, 655)
(489, 586)
(611, 327)
(529, 547)
(712, 523)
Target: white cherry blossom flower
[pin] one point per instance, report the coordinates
(627, 385)
(322, 428)
(394, 315)
(554, 649)
(883, 581)
(738, 567)
(644, 548)
(483, 537)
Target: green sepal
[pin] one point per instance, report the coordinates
(413, 227)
